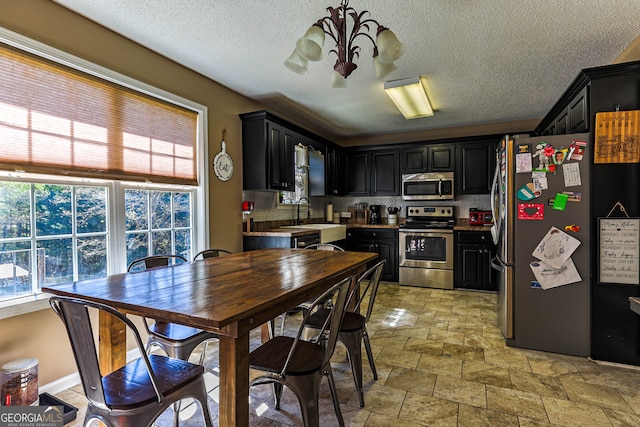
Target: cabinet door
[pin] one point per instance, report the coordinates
(388, 249)
(334, 170)
(281, 158)
(579, 112)
(475, 168)
(562, 123)
(385, 177)
(470, 271)
(441, 157)
(415, 159)
(358, 174)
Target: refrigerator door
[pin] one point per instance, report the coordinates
(503, 206)
(555, 319)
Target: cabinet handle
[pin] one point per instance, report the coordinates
(479, 251)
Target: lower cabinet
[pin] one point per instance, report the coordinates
(383, 241)
(474, 251)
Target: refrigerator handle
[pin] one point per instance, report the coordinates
(495, 228)
(497, 264)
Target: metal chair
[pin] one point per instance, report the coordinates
(175, 340)
(136, 394)
(300, 365)
(354, 325)
(155, 261)
(210, 253)
(305, 305)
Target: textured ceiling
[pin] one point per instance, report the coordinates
(487, 61)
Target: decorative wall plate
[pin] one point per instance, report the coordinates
(222, 164)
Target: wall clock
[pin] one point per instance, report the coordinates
(222, 164)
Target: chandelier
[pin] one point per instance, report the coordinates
(386, 47)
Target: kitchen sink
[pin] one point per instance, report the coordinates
(328, 232)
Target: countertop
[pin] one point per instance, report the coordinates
(462, 224)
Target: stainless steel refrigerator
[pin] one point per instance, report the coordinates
(555, 317)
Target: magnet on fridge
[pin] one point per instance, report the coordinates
(523, 148)
(528, 192)
(560, 202)
(531, 211)
(572, 227)
(535, 284)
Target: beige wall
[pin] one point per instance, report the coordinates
(40, 334)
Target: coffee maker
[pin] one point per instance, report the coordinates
(375, 216)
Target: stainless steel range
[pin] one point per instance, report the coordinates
(426, 247)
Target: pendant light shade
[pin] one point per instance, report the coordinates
(296, 63)
(383, 70)
(310, 45)
(338, 81)
(389, 47)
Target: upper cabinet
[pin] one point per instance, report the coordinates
(428, 158)
(335, 161)
(268, 155)
(373, 173)
(475, 168)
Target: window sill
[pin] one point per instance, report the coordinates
(24, 305)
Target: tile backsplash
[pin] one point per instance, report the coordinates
(265, 208)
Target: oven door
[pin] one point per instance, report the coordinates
(426, 249)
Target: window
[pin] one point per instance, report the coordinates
(158, 222)
(50, 233)
(74, 140)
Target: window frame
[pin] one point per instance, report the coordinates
(116, 191)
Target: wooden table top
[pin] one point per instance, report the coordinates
(250, 287)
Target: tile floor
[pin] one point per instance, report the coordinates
(441, 361)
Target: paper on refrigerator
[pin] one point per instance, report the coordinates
(555, 248)
(550, 277)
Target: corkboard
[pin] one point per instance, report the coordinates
(617, 137)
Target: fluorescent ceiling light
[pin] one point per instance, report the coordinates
(410, 96)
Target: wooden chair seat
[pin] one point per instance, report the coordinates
(272, 356)
(177, 332)
(350, 322)
(130, 386)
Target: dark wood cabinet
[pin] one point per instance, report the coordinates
(373, 173)
(358, 174)
(385, 177)
(428, 158)
(570, 115)
(383, 241)
(335, 172)
(475, 168)
(474, 251)
(268, 153)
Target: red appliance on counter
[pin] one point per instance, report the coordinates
(478, 217)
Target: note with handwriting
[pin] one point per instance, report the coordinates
(619, 250)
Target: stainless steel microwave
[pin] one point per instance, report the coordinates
(428, 186)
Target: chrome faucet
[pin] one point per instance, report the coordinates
(299, 221)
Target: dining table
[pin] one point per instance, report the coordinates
(229, 295)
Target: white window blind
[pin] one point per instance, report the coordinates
(61, 121)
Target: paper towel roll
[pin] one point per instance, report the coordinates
(329, 212)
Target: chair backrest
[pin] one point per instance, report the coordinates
(331, 327)
(211, 253)
(74, 314)
(372, 279)
(155, 261)
(325, 247)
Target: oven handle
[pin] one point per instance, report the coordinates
(425, 231)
